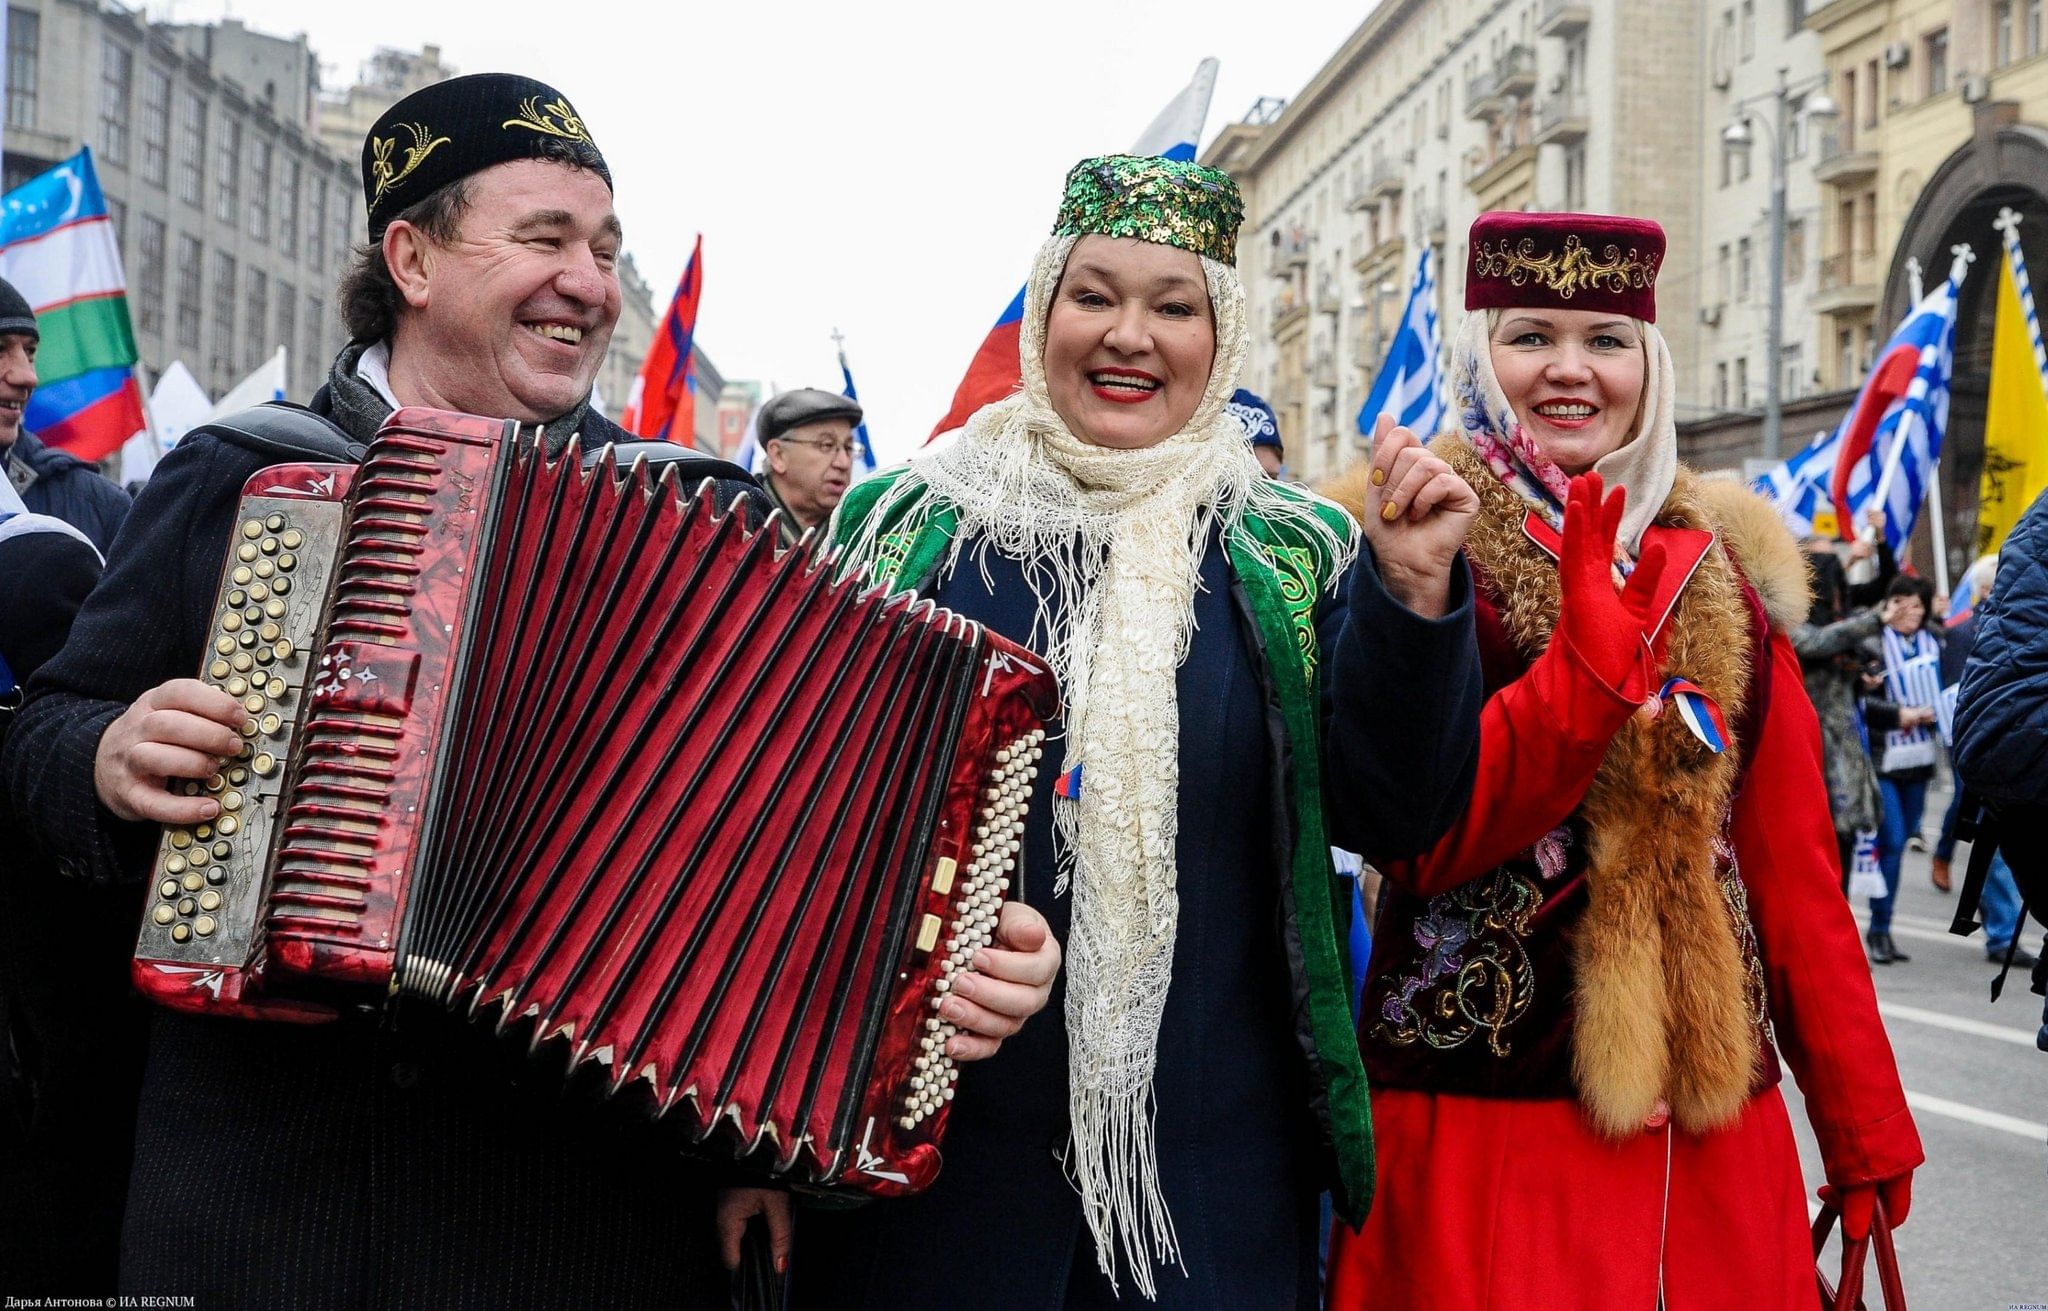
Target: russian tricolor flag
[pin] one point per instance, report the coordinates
(995, 371)
(58, 248)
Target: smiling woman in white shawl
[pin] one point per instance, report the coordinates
(1245, 683)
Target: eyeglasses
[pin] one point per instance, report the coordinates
(824, 444)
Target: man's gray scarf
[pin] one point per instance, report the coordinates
(361, 411)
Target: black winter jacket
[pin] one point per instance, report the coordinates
(2001, 744)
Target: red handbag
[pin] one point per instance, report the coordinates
(1849, 1295)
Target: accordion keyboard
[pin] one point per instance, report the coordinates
(207, 881)
(976, 898)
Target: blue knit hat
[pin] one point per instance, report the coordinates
(1261, 426)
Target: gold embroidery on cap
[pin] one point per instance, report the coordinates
(423, 143)
(1573, 271)
(555, 119)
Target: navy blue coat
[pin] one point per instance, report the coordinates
(1240, 1166)
(61, 485)
(2001, 726)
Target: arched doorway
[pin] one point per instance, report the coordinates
(2005, 165)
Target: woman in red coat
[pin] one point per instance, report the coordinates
(1577, 999)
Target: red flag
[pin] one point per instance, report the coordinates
(664, 401)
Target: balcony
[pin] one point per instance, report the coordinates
(1847, 284)
(1384, 253)
(1386, 181)
(1513, 74)
(1484, 170)
(1433, 226)
(1289, 310)
(1562, 119)
(1565, 18)
(1290, 252)
(1329, 295)
(1358, 195)
(1841, 165)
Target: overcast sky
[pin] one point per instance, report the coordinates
(885, 168)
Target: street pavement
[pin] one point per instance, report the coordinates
(1977, 1237)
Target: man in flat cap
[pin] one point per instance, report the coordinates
(807, 446)
(401, 1158)
(48, 481)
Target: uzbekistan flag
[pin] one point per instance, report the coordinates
(995, 371)
(1891, 440)
(663, 404)
(57, 246)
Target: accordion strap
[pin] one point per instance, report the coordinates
(287, 433)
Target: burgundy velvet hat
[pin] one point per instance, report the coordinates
(1564, 261)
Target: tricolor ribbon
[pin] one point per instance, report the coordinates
(1698, 712)
(1069, 784)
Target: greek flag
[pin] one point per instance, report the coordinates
(1891, 439)
(1799, 487)
(1410, 385)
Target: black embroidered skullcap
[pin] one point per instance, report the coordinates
(465, 125)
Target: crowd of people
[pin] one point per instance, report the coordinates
(1611, 746)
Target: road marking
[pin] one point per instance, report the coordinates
(1977, 1116)
(1943, 1020)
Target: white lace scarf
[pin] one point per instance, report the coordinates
(1111, 543)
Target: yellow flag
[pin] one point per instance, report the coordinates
(2015, 421)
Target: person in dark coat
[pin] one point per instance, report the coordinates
(2001, 721)
(402, 1158)
(71, 1032)
(1244, 683)
(47, 481)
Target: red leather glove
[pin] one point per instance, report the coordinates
(1606, 630)
(1857, 1203)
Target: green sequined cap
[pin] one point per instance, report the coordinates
(1168, 201)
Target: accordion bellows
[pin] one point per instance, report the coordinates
(585, 756)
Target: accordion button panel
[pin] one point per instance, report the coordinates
(978, 898)
(209, 883)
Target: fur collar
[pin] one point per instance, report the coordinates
(1661, 1006)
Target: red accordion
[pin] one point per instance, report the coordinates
(585, 756)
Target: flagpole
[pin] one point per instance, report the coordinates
(1940, 530)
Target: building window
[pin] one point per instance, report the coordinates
(1793, 373)
(190, 257)
(1845, 347)
(1846, 133)
(1748, 28)
(256, 331)
(316, 227)
(227, 171)
(1870, 91)
(288, 207)
(221, 360)
(149, 279)
(2034, 33)
(1727, 274)
(156, 125)
(1741, 165)
(287, 324)
(1721, 385)
(117, 84)
(1575, 177)
(1741, 383)
(192, 150)
(316, 324)
(2001, 34)
(24, 42)
(117, 214)
(1866, 226)
(260, 162)
(1795, 249)
(1936, 46)
(1742, 269)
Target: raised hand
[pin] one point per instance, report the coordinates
(1608, 630)
(1417, 512)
